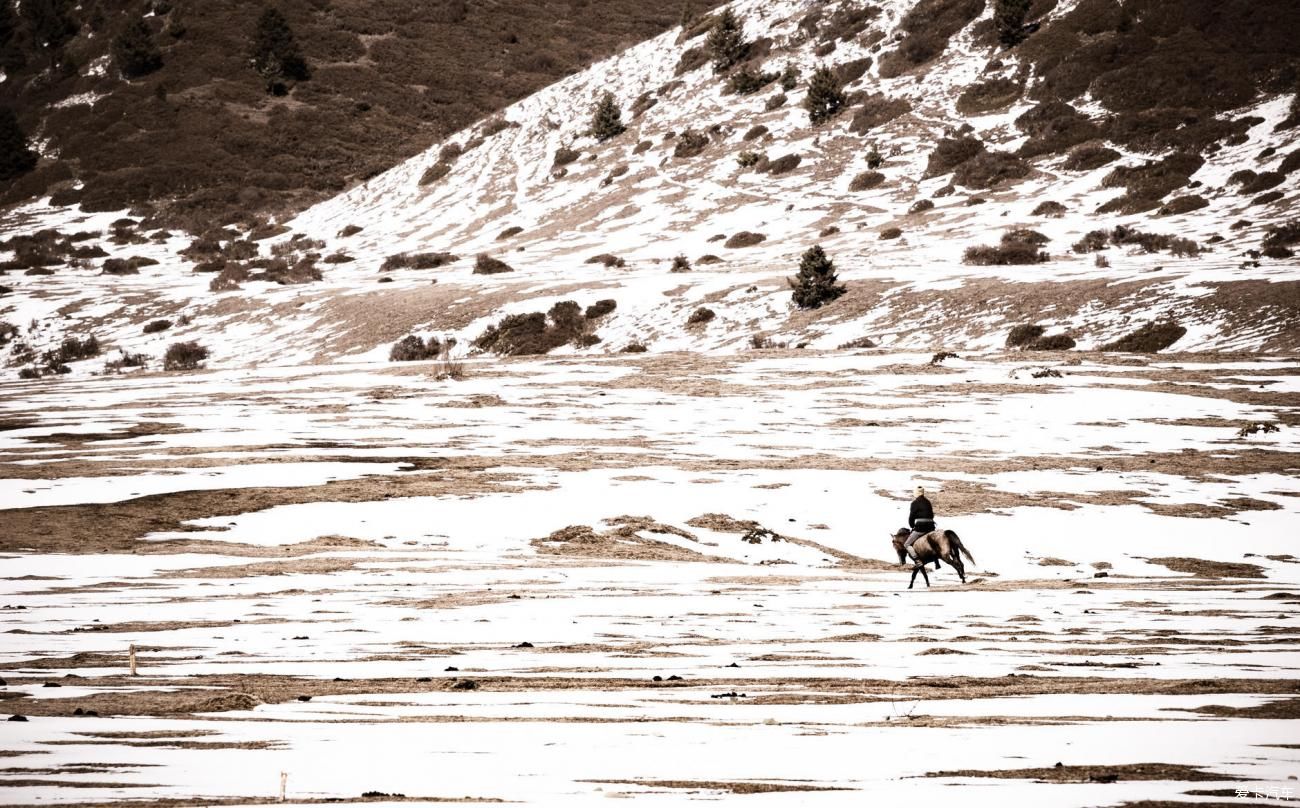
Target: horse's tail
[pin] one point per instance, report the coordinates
(957, 543)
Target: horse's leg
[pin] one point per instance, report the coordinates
(955, 561)
(915, 567)
(925, 575)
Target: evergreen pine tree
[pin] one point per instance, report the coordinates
(1009, 17)
(726, 42)
(16, 158)
(134, 50)
(607, 119)
(276, 55)
(825, 97)
(10, 57)
(51, 27)
(815, 285)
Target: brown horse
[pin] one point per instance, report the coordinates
(935, 545)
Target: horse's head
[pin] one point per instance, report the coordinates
(898, 539)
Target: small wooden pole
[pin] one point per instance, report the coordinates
(284, 780)
(134, 672)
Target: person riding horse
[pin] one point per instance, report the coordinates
(920, 519)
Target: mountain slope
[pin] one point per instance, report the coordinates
(201, 138)
(949, 142)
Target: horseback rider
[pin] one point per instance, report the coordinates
(920, 519)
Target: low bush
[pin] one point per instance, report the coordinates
(485, 264)
(690, 144)
(1262, 182)
(155, 326)
(609, 261)
(536, 333)
(828, 231)
(747, 81)
(754, 132)
(1262, 199)
(1291, 162)
(634, 347)
(989, 168)
(338, 258)
(987, 96)
(1183, 204)
(775, 102)
(943, 356)
(877, 110)
(1023, 334)
(866, 181)
(413, 349)
(1025, 235)
(643, 147)
(700, 316)
(691, 59)
(1053, 127)
(680, 264)
(185, 356)
(228, 278)
(1015, 249)
(1053, 342)
(509, 232)
(564, 155)
(708, 258)
(1282, 235)
(119, 266)
(749, 159)
(1092, 241)
(783, 164)
(921, 206)
(1150, 338)
(890, 233)
(1051, 209)
(600, 308)
(744, 239)
(950, 153)
(434, 173)
(851, 71)
(858, 344)
(1089, 157)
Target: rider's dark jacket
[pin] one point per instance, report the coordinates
(921, 509)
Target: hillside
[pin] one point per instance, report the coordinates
(200, 137)
(1138, 195)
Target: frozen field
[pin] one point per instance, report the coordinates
(533, 585)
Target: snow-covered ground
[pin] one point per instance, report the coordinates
(371, 537)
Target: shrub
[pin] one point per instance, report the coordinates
(413, 349)
(691, 59)
(1262, 182)
(950, 153)
(700, 316)
(509, 232)
(708, 258)
(643, 147)
(16, 158)
(338, 258)
(600, 308)
(816, 283)
(154, 326)
(825, 98)
(1150, 338)
(1268, 198)
(434, 173)
(184, 356)
(1053, 127)
(1053, 342)
(680, 264)
(987, 96)
(1054, 210)
(1291, 162)
(690, 144)
(276, 55)
(609, 261)
(1152, 242)
(607, 119)
(73, 350)
(749, 159)
(828, 231)
(783, 164)
(866, 181)
(119, 266)
(755, 132)
(634, 347)
(890, 233)
(744, 239)
(726, 41)
(564, 155)
(988, 168)
(1282, 235)
(134, 50)
(1023, 334)
(1089, 157)
(747, 81)
(1015, 249)
(1092, 241)
(1009, 20)
(228, 278)
(531, 334)
(851, 71)
(496, 125)
(942, 356)
(876, 110)
(858, 344)
(1257, 428)
(1025, 235)
(775, 102)
(485, 264)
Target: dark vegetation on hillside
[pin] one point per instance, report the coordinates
(200, 131)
